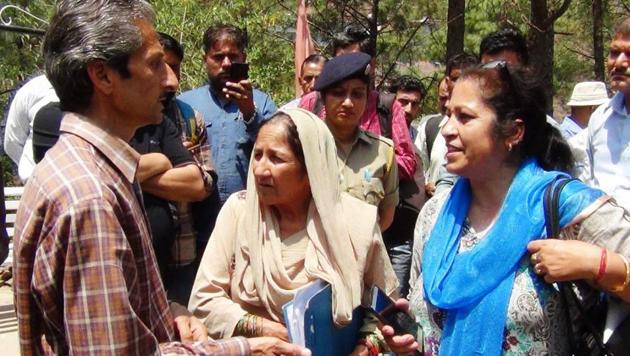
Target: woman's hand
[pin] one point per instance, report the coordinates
(400, 344)
(564, 260)
(189, 328)
(360, 350)
(274, 329)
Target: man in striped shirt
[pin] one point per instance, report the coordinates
(86, 279)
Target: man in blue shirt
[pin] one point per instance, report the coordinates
(608, 135)
(233, 111)
(585, 98)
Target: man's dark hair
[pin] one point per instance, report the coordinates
(83, 32)
(314, 59)
(350, 36)
(507, 39)
(172, 45)
(460, 61)
(408, 83)
(223, 31)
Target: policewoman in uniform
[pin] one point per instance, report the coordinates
(366, 161)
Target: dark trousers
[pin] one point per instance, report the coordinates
(179, 280)
(398, 240)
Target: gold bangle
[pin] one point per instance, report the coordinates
(626, 281)
(239, 330)
(259, 325)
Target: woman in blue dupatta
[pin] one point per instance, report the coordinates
(476, 289)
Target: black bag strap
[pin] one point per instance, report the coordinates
(550, 204)
(567, 292)
(431, 130)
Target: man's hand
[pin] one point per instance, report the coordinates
(243, 95)
(189, 328)
(402, 344)
(268, 346)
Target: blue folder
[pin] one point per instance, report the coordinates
(320, 333)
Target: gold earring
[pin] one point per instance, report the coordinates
(509, 147)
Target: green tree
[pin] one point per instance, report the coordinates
(270, 50)
(20, 57)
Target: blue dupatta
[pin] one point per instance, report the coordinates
(475, 286)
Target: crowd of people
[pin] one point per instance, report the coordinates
(154, 222)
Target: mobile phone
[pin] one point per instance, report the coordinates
(386, 311)
(239, 71)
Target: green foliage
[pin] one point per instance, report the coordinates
(271, 24)
(270, 51)
(20, 53)
(19, 58)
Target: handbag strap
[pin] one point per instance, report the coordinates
(552, 227)
(551, 205)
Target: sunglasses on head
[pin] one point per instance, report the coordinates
(502, 68)
(498, 65)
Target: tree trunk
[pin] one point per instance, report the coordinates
(456, 28)
(598, 40)
(541, 43)
(374, 24)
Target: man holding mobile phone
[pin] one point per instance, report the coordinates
(233, 111)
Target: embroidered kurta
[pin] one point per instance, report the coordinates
(536, 322)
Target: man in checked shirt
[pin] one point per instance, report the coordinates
(85, 275)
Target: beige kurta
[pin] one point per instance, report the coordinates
(216, 297)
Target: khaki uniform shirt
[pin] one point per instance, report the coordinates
(368, 171)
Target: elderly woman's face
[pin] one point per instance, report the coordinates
(345, 103)
(473, 148)
(280, 177)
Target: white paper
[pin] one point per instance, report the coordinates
(295, 326)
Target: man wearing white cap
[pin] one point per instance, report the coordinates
(608, 143)
(585, 98)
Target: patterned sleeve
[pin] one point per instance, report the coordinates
(98, 273)
(93, 271)
(202, 152)
(403, 147)
(237, 346)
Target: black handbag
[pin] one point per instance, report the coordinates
(586, 313)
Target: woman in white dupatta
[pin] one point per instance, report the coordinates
(292, 226)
